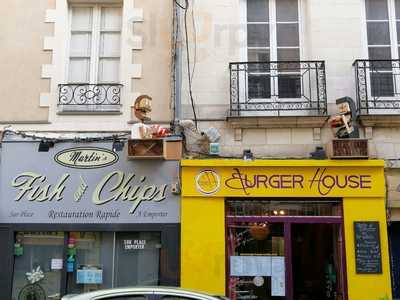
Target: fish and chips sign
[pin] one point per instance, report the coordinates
(84, 185)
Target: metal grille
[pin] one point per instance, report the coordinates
(89, 97)
(377, 86)
(297, 88)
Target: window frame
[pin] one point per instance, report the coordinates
(394, 47)
(96, 30)
(273, 46)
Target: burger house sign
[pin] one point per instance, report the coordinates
(85, 184)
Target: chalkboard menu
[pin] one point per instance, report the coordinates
(368, 248)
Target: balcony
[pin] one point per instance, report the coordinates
(86, 98)
(278, 94)
(378, 91)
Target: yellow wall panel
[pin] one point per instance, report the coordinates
(366, 286)
(203, 244)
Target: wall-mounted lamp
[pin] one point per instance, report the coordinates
(44, 146)
(117, 145)
(248, 155)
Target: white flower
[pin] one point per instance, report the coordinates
(35, 275)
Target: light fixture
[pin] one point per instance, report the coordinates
(259, 231)
(282, 212)
(248, 155)
(44, 146)
(319, 153)
(117, 145)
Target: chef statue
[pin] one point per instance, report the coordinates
(344, 123)
(142, 109)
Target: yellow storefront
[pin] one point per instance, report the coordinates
(285, 229)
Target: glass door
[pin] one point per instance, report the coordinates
(137, 258)
(256, 261)
(38, 265)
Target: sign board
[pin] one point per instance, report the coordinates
(89, 276)
(84, 183)
(367, 247)
(281, 180)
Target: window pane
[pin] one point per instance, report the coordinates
(109, 70)
(259, 86)
(378, 33)
(397, 3)
(110, 44)
(258, 35)
(398, 31)
(111, 18)
(376, 9)
(287, 11)
(257, 11)
(382, 84)
(38, 249)
(82, 18)
(79, 70)
(137, 260)
(288, 35)
(288, 54)
(258, 55)
(289, 86)
(80, 44)
(379, 53)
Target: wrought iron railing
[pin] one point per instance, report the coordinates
(89, 97)
(377, 86)
(278, 88)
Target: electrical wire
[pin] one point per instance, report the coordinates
(189, 72)
(23, 134)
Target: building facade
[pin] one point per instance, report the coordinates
(72, 71)
(255, 75)
(267, 75)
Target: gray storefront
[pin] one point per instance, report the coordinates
(82, 217)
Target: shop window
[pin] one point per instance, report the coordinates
(283, 208)
(272, 243)
(91, 253)
(38, 255)
(137, 258)
(79, 262)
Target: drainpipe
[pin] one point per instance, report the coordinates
(178, 65)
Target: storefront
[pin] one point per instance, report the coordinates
(285, 229)
(83, 217)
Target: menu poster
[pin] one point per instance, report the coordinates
(367, 247)
(89, 276)
(250, 265)
(278, 276)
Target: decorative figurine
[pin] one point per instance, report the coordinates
(344, 123)
(142, 108)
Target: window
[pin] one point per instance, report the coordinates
(94, 55)
(383, 37)
(273, 36)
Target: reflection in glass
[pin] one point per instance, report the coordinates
(257, 264)
(39, 249)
